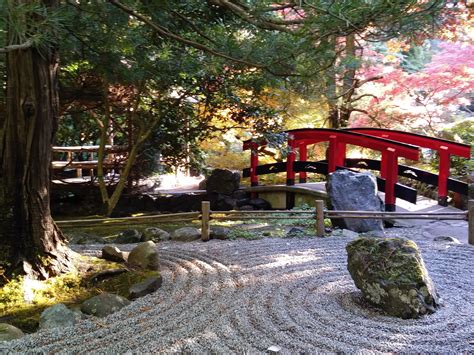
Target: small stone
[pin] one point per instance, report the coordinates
(447, 239)
(221, 233)
(260, 204)
(295, 232)
(186, 234)
(112, 253)
(129, 236)
(149, 285)
(246, 208)
(155, 234)
(106, 274)
(103, 304)
(274, 349)
(349, 234)
(9, 332)
(145, 256)
(58, 316)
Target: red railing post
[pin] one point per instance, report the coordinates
(391, 178)
(444, 165)
(332, 154)
(303, 148)
(341, 154)
(253, 164)
(290, 159)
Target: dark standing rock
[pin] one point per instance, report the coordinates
(103, 304)
(202, 184)
(109, 252)
(350, 191)
(145, 256)
(391, 274)
(186, 234)
(243, 202)
(240, 195)
(223, 181)
(58, 316)
(129, 236)
(149, 285)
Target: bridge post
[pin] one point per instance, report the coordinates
(253, 164)
(303, 148)
(332, 154)
(444, 165)
(340, 154)
(383, 165)
(390, 179)
(290, 159)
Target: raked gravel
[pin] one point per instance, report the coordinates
(245, 296)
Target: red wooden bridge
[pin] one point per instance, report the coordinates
(391, 145)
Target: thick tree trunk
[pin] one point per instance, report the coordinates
(30, 241)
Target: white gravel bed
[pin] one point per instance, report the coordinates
(245, 296)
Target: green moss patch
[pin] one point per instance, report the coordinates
(22, 301)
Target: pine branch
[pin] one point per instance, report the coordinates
(16, 47)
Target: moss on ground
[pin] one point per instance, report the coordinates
(23, 300)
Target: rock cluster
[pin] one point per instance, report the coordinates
(391, 274)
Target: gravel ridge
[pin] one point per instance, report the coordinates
(245, 296)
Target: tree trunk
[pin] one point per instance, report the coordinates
(30, 242)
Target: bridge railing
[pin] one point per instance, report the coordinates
(443, 147)
(71, 159)
(399, 145)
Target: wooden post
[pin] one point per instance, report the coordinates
(205, 214)
(470, 209)
(319, 218)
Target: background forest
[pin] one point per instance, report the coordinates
(188, 82)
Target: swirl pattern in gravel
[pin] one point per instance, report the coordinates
(245, 296)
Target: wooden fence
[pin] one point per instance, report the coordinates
(320, 214)
(206, 215)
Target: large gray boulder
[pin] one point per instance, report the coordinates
(186, 234)
(147, 286)
(9, 332)
(350, 191)
(58, 316)
(145, 256)
(391, 274)
(222, 181)
(104, 304)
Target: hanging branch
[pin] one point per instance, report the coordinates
(16, 47)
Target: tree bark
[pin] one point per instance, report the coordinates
(30, 242)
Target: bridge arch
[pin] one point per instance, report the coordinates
(391, 144)
(444, 147)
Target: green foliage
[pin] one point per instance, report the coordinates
(461, 132)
